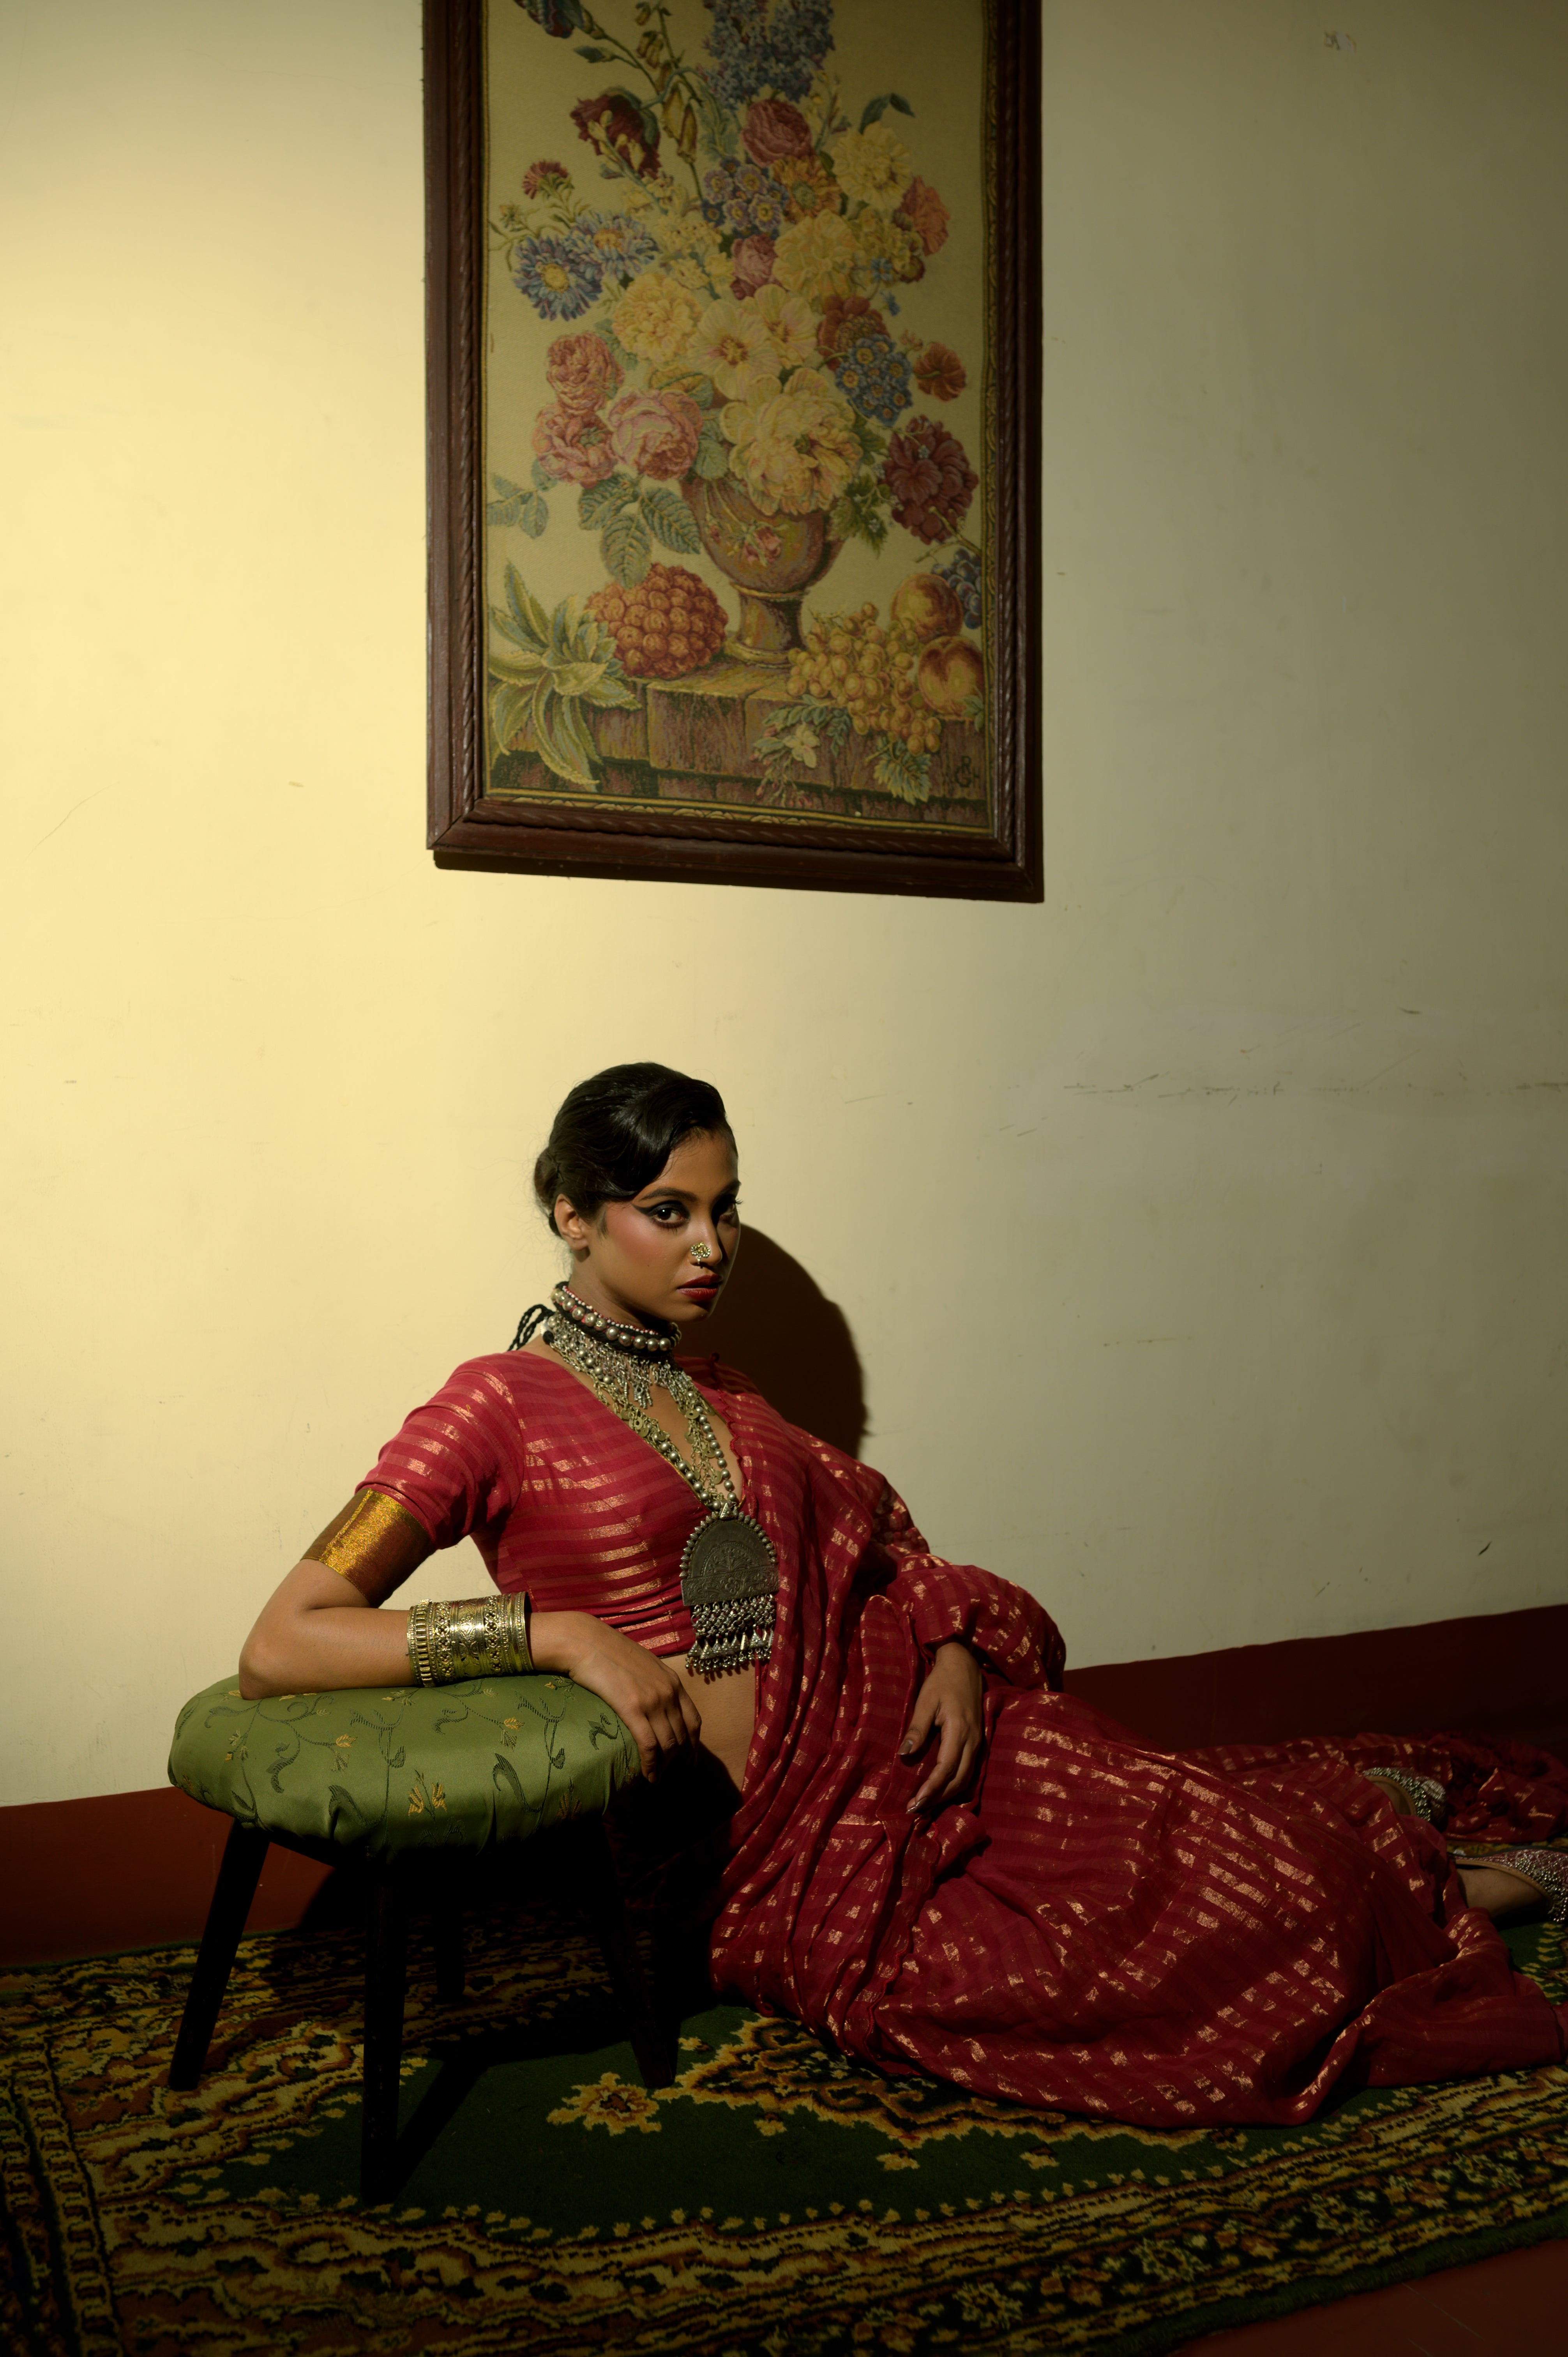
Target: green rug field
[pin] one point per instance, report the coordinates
(778, 2198)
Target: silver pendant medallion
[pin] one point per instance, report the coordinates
(729, 1577)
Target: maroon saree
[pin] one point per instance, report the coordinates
(1099, 1926)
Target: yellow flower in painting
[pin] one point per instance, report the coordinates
(808, 186)
(885, 254)
(795, 446)
(656, 318)
(872, 166)
(608, 2104)
(343, 1742)
(791, 327)
(816, 257)
(731, 345)
(699, 278)
(686, 232)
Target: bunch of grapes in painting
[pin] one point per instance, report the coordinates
(894, 683)
(961, 571)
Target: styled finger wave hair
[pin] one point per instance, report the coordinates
(616, 1132)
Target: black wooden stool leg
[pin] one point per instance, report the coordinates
(446, 1934)
(386, 1967)
(653, 2041)
(238, 1874)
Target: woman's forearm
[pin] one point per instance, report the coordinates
(318, 1633)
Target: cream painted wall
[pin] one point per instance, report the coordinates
(1202, 1230)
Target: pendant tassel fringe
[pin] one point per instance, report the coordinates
(731, 1636)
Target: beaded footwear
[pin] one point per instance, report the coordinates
(1424, 1794)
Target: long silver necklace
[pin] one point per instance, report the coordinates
(729, 1572)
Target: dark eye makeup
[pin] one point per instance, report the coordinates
(669, 1213)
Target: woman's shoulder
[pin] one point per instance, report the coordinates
(499, 1380)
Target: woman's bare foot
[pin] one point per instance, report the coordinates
(1496, 1891)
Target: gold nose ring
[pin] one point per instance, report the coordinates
(701, 1251)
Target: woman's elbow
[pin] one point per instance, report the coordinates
(261, 1672)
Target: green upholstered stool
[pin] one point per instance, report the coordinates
(414, 1784)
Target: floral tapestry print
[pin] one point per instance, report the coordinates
(737, 316)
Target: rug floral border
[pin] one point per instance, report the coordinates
(138, 2219)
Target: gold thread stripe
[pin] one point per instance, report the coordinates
(374, 1543)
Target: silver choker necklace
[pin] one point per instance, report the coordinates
(729, 1570)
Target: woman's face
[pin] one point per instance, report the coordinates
(638, 1259)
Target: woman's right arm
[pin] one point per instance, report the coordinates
(318, 1633)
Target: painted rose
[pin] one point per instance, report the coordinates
(656, 318)
(794, 445)
(872, 166)
(940, 372)
(573, 446)
(613, 126)
(926, 214)
(773, 128)
(930, 478)
(656, 433)
(844, 317)
(583, 372)
(751, 264)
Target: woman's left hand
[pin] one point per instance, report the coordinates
(949, 1701)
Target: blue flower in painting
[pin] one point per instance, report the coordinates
(561, 276)
(961, 574)
(743, 198)
(873, 375)
(621, 246)
(753, 49)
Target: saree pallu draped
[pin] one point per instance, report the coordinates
(1097, 1926)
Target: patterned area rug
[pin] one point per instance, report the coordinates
(778, 2198)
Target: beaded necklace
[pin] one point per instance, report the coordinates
(729, 1571)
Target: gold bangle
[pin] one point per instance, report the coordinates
(485, 1637)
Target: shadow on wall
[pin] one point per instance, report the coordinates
(775, 1323)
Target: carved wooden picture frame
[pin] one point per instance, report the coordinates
(734, 342)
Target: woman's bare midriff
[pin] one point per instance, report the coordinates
(728, 1708)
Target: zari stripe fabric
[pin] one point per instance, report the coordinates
(1098, 1926)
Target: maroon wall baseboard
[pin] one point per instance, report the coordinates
(136, 1869)
(1499, 1674)
(128, 1870)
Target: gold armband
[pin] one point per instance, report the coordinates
(374, 1543)
(485, 1639)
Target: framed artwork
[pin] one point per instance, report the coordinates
(734, 407)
